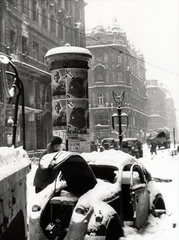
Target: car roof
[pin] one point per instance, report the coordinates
(116, 158)
(110, 157)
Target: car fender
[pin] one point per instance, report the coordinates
(37, 207)
(156, 198)
(93, 221)
(100, 220)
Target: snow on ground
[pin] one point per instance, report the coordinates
(165, 166)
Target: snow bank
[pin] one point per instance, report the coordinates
(12, 160)
(14, 166)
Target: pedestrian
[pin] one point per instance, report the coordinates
(53, 146)
(153, 148)
(42, 177)
(178, 149)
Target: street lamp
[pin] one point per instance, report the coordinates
(98, 135)
(98, 131)
(4, 60)
(118, 99)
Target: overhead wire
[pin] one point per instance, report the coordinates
(97, 40)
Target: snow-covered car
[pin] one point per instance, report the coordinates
(90, 196)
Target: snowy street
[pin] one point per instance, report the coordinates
(164, 166)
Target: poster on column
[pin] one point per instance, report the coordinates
(77, 84)
(77, 117)
(59, 84)
(59, 114)
(77, 101)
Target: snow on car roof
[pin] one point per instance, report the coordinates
(109, 157)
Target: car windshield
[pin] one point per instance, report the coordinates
(103, 172)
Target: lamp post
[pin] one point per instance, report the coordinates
(118, 99)
(9, 93)
(98, 134)
(10, 124)
(98, 131)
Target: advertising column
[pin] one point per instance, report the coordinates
(70, 103)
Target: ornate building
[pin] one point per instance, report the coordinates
(28, 29)
(115, 67)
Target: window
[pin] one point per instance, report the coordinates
(25, 7)
(60, 31)
(37, 94)
(35, 50)
(34, 10)
(66, 6)
(119, 76)
(12, 41)
(101, 118)
(101, 99)
(119, 59)
(44, 19)
(100, 77)
(100, 74)
(13, 3)
(52, 25)
(133, 121)
(24, 45)
(60, 24)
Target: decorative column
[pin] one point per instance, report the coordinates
(70, 103)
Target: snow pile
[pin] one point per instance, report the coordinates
(11, 160)
(166, 167)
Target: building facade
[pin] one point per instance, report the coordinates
(28, 29)
(115, 67)
(160, 108)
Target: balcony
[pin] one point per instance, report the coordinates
(33, 62)
(105, 105)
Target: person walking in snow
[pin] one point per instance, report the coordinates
(153, 148)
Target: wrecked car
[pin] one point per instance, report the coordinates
(92, 195)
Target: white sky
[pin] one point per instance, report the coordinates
(153, 27)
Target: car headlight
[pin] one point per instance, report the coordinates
(36, 208)
(99, 217)
(81, 210)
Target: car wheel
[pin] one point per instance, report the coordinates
(114, 230)
(158, 206)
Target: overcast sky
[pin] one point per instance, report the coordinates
(153, 27)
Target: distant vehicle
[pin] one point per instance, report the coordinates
(160, 136)
(93, 196)
(132, 146)
(109, 143)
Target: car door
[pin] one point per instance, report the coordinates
(139, 196)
